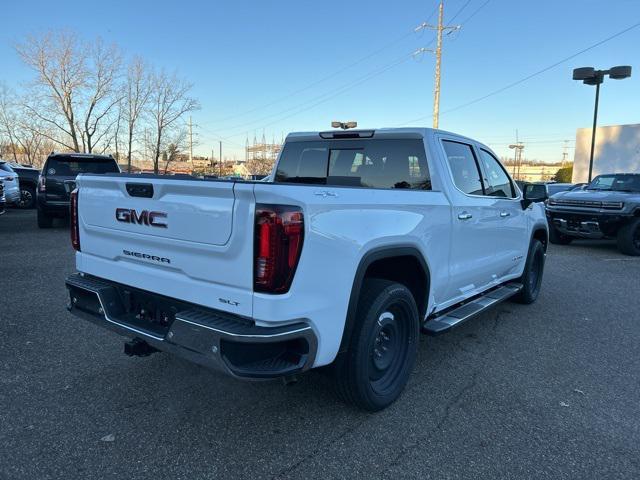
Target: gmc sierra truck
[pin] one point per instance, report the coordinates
(608, 207)
(359, 241)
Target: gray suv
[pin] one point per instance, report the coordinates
(609, 207)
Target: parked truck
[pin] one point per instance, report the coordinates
(359, 241)
(607, 207)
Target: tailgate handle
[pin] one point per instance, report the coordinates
(144, 190)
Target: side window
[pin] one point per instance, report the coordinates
(498, 182)
(463, 165)
(303, 162)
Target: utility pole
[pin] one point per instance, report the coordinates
(517, 156)
(565, 153)
(220, 142)
(438, 52)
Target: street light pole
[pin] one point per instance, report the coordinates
(591, 76)
(593, 130)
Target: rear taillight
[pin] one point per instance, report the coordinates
(279, 232)
(42, 187)
(75, 224)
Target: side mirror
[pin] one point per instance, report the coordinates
(533, 193)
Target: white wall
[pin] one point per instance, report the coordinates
(617, 151)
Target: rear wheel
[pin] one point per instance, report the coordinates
(44, 220)
(383, 346)
(558, 238)
(629, 238)
(532, 276)
(27, 197)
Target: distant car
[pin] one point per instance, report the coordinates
(28, 181)
(545, 190)
(578, 186)
(553, 188)
(2, 199)
(58, 179)
(11, 188)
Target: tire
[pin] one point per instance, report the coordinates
(629, 238)
(557, 238)
(532, 276)
(44, 220)
(27, 197)
(374, 370)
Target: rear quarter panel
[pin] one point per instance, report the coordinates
(341, 226)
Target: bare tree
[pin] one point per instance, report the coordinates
(24, 140)
(61, 74)
(8, 119)
(260, 166)
(169, 102)
(102, 94)
(75, 89)
(136, 96)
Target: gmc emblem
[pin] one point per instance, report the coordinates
(152, 219)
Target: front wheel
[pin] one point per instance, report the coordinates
(629, 238)
(532, 276)
(383, 346)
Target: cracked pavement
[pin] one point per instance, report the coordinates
(549, 390)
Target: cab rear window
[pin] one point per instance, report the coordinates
(70, 166)
(393, 163)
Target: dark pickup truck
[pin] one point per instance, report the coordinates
(609, 207)
(58, 180)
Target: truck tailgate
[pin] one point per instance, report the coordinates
(188, 239)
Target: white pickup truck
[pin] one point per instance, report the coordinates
(360, 241)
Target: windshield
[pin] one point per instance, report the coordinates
(70, 166)
(617, 183)
(556, 188)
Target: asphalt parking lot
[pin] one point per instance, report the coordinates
(550, 390)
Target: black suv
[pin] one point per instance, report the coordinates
(28, 180)
(58, 180)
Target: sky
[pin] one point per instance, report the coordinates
(275, 67)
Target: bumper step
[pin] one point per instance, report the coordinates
(212, 338)
(453, 317)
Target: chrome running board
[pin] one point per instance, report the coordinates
(446, 320)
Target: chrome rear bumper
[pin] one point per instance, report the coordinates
(207, 337)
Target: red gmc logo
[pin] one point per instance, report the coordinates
(145, 217)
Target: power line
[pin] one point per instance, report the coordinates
(328, 96)
(459, 11)
(322, 80)
(535, 74)
(475, 12)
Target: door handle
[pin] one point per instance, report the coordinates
(504, 214)
(464, 216)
